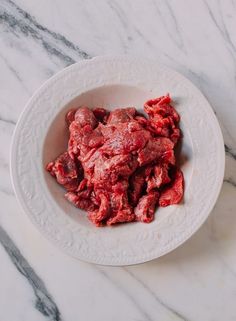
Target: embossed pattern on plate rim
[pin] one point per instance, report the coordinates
(83, 243)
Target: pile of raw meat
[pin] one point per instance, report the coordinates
(120, 165)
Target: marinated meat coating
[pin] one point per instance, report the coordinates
(163, 118)
(120, 165)
(85, 116)
(145, 209)
(66, 171)
(173, 193)
(121, 115)
(159, 178)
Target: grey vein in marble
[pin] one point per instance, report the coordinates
(44, 301)
(15, 73)
(118, 11)
(157, 299)
(8, 121)
(222, 30)
(230, 181)
(22, 23)
(174, 34)
(6, 191)
(107, 277)
(229, 151)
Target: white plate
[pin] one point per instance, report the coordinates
(112, 82)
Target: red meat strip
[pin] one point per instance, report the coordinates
(125, 138)
(84, 116)
(120, 165)
(160, 177)
(101, 114)
(106, 169)
(81, 200)
(174, 192)
(162, 107)
(122, 211)
(83, 139)
(122, 216)
(168, 157)
(154, 149)
(137, 183)
(99, 215)
(66, 171)
(121, 115)
(164, 118)
(145, 209)
(70, 116)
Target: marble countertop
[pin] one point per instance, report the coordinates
(198, 280)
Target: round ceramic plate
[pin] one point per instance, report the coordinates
(112, 82)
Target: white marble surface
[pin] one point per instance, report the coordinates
(198, 280)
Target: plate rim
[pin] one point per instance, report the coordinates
(13, 160)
